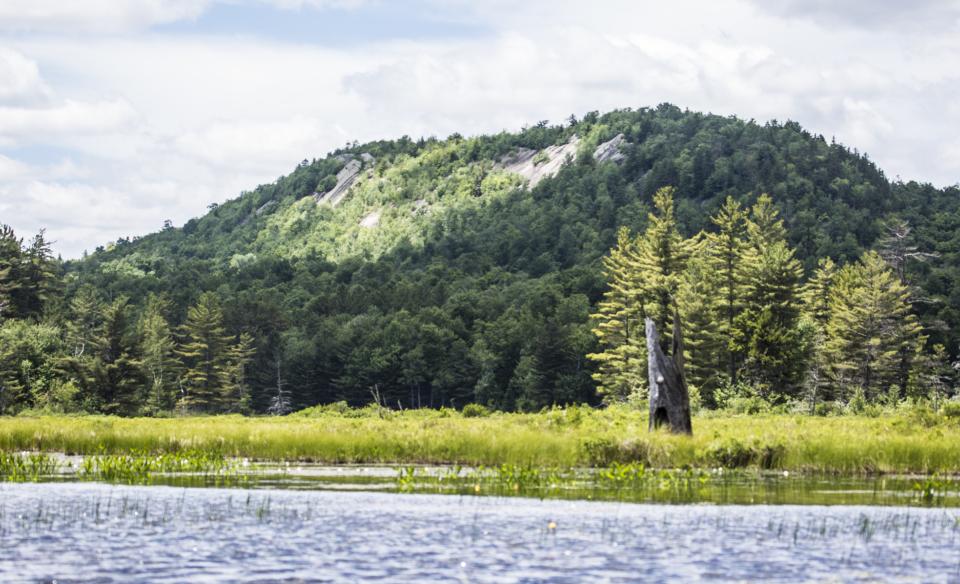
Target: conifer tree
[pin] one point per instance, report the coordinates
(237, 393)
(767, 328)
(700, 305)
(872, 334)
(160, 362)
(117, 369)
(205, 352)
(10, 260)
(724, 252)
(661, 259)
(621, 365)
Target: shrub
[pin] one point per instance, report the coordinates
(732, 453)
(606, 451)
(475, 411)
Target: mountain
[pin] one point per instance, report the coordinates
(438, 272)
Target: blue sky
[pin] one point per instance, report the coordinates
(118, 114)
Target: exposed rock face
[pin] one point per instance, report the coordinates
(536, 166)
(265, 207)
(610, 151)
(345, 179)
(371, 220)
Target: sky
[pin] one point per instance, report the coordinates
(116, 115)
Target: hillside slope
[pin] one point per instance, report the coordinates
(437, 272)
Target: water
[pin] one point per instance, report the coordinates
(92, 532)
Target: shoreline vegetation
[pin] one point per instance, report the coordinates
(911, 440)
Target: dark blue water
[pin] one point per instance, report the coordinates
(101, 533)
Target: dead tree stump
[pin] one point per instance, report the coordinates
(669, 398)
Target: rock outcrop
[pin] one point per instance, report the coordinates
(609, 151)
(536, 166)
(345, 179)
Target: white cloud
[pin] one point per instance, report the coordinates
(110, 16)
(71, 117)
(19, 79)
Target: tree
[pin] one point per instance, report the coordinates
(767, 328)
(158, 348)
(872, 334)
(724, 252)
(661, 258)
(10, 264)
(701, 307)
(619, 326)
(237, 391)
(117, 368)
(204, 349)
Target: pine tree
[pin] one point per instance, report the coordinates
(160, 362)
(10, 263)
(767, 328)
(816, 293)
(117, 368)
(621, 366)
(724, 252)
(39, 277)
(700, 304)
(661, 258)
(236, 395)
(872, 335)
(205, 352)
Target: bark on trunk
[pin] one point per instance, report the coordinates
(669, 398)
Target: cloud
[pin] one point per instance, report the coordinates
(19, 79)
(72, 117)
(94, 16)
(941, 14)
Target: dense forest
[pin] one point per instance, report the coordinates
(509, 270)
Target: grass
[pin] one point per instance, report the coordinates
(552, 439)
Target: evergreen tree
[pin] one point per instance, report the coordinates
(767, 328)
(160, 362)
(39, 277)
(724, 252)
(619, 328)
(117, 368)
(237, 392)
(205, 351)
(701, 310)
(10, 279)
(661, 258)
(872, 334)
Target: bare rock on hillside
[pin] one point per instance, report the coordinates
(536, 166)
(609, 151)
(371, 220)
(345, 179)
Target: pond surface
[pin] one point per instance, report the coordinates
(93, 532)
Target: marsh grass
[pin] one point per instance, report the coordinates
(558, 438)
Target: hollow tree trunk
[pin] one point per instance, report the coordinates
(669, 398)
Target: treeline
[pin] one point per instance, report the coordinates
(753, 327)
(97, 356)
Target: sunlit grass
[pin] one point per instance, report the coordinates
(557, 438)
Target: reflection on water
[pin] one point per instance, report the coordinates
(97, 532)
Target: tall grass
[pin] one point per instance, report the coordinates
(556, 438)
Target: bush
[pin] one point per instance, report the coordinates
(606, 451)
(475, 411)
(732, 453)
(951, 410)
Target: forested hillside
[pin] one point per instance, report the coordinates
(435, 273)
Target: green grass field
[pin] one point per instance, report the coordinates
(557, 438)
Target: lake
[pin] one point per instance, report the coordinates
(94, 532)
